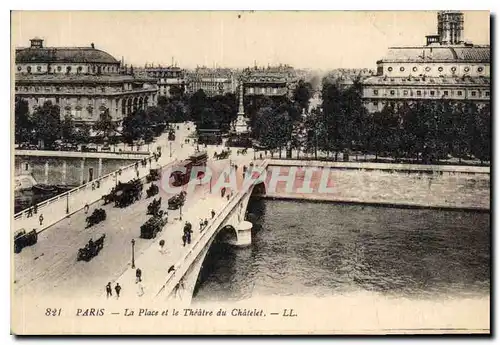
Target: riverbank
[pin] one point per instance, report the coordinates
(463, 188)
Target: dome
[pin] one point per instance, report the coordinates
(438, 54)
(64, 55)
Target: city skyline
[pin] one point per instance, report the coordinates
(336, 39)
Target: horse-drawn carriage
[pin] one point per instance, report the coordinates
(242, 151)
(124, 194)
(154, 175)
(97, 216)
(23, 239)
(223, 155)
(152, 190)
(154, 207)
(91, 249)
(177, 201)
(154, 225)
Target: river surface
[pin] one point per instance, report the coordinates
(325, 249)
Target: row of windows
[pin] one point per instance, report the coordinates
(59, 89)
(263, 90)
(440, 69)
(69, 69)
(437, 92)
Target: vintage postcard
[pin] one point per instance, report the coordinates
(250, 172)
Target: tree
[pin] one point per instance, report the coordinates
(68, 128)
(302, 94)
(177, 91)
(47, 123)
(22, 122)
(82, 134)
(132, 126)
(105, 125)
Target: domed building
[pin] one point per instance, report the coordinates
(445, 68)
(83, 81)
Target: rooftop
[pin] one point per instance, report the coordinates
(63, 54)
(446, 53)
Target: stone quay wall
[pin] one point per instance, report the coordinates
(399, 185)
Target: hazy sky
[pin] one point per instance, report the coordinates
(311, 39)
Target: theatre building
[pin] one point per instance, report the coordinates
(83, 81)
(445, 68)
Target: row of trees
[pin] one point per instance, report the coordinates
(425, 130)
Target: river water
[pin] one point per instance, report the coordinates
(325, 249)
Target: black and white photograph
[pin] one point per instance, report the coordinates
(250, 172)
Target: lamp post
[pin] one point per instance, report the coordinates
(180, 211)
(133, 260)
(67, 203)
(210, 183)
(170, 149)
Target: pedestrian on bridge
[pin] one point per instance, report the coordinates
(86, 208)
(213, 214)
(109, 292)
(201, 224)
(118, 288)
(40, 219)
(35, 208)
(138, 275)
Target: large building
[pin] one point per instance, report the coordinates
(445, 68)
(83, 81)
(278, 81)
(213, 81)
(167, 77)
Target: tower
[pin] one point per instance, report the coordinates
(450, 27)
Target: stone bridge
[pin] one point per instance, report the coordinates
(179, 284)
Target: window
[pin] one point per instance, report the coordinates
(19, 68)
(433, 93)
(453, 69)
(389, 69)
(59, 68)
(466, 69)
(393, 92)
(440, 69)
(79, 69)
(39, 68)
(419, 93)
(402, 69)
(57, 100)
(68, 69)
(103, 89)
(487, 94)
(58, 88)
(375, 92)
(414, 69)
(445, 93)
(459, 93)
(405, 92)
(473, 93)
(427, 69)
(480, 69)
(28, 69)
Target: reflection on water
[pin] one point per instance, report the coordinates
(322, 249)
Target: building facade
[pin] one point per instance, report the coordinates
(83, 81)
(167, 77)
(213, 81)
(445, 68)
(279, 81)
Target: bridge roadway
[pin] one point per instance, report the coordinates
(50, 269)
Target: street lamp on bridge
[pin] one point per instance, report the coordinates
(133, 259)
(67, 203)
(170, 149)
